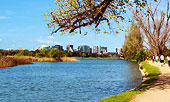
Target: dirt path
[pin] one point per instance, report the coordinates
(160, 91)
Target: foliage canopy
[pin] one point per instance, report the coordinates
(155, 26)
(133, 42)
(69, 15)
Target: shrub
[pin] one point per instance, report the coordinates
(140, 56)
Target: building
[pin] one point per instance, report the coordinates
(103, 49)
(99, 49)
(20, 49)
(69, 48)
(84, 48)
(42, 47)
(119, 51)
(95, 49)
(58, 47)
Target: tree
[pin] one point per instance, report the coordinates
(43, 53)
(83, 55)
(73, 14)
(155, 25)
(140, 56)
(24, 53)
(21, 53)
(133, 42)
(1, 54)
(56, 53)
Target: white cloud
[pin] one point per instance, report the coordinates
(0, 39)
(48, 42)
(3, 17)
(51, 37)
(40, 41)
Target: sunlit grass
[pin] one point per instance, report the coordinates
(13, 61)
(166, 60)
(10, 61)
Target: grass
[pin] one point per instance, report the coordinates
(13, 61)
(69, 59)
(48, 59)
(153, 73)
(166, 60)
(10, 61)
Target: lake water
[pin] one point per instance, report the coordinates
(88, 80)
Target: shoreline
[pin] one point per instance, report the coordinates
(160, 90)
(12, 61)
(144, 74)
(149, 78)
(98, 58)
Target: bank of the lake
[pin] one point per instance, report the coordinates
(152, 74)
(97, 57)
(6, 62)
(160, 90)
(11, 61)
(87, 80)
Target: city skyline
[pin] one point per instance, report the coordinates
(72, 48)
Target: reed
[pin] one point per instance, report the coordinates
(13, 61)
(69, 59)
(47, 59)
(10, 61)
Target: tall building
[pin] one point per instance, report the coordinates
(58, 47)
(103, 49)
(42, 47)
(119, 51)
(69, 48)
(84, 48)
(96, 49)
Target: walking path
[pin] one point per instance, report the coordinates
(160, 91)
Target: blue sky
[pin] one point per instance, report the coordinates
(22, 26)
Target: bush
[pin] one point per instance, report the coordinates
(25, 53)
(140, 56)
(56, 53)
(21, 53)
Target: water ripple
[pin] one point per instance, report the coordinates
(85, 81)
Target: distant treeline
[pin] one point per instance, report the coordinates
(52, 53)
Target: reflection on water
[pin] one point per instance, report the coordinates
(85, 81)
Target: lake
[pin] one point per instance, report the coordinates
(88, 80)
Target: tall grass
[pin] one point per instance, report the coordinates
(153, 73)
(48, 59)
(13, 61)
(69, 59)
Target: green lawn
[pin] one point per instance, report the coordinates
(166, 60)
(153, 73)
